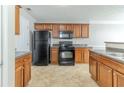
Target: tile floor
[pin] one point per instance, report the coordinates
(61, 76)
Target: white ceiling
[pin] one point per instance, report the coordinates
(75, 13)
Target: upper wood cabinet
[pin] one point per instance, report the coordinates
(77, 31)
(62, 27)
(17, 19)
(39, 27)
(85, 30)
(55, 30)
(70, 27)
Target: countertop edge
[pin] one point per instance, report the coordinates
(111, 58)
(17, 57)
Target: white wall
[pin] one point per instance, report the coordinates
(99, 33)
(23, 41)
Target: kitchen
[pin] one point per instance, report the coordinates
(76, 41)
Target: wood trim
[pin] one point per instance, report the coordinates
(17, 19)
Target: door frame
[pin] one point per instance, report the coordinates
(8, 45)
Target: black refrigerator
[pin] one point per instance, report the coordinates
(41, 48)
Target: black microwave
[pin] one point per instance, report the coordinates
(66, 35)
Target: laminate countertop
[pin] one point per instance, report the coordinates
(117, 56)
(19, 54)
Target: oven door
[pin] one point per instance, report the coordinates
(66, 57)
(66, 54)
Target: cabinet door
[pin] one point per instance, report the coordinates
(85, 30)
(17, 19)
(86, 55)
(39, 27)
(63, 27)
(27, 69)
(55, 30)
(77, 31)
(69, 27)
(19, 76)
(78, 55)
(54, 56)
(47, 26)
(26, 73)
(118, 79)
(93, 68)
(104, 75)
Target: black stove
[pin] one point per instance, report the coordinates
(66, 53)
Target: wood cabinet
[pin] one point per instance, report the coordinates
(27, 69)
(54, 55)
(104, 75)
(23, 70)
(79, 30)
(40, 27)
(19, 73)
(110, 72)
(82, 55)
(17, 19)
(86, 55)
(62, 27)
(93, 68)
(78, 55)
(69, 27)
(118, 79)
(55, 30)
(85, 30)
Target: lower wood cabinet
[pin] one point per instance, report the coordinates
(93, 68)
(54, 55)
(82, 55)
(19, 76)
(104, 75)
(118, 79)
(105, 71)
(27, 72)
(78, 55)
(23, 70)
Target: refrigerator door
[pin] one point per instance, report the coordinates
(41, 35)
(41, 53)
